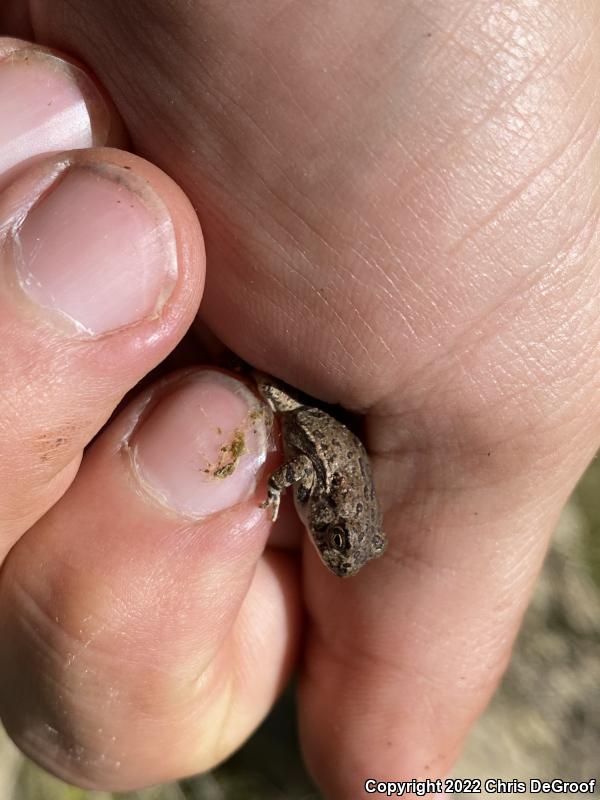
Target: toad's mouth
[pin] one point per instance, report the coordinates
(342, 568)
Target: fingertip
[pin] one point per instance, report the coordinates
(201, 473)
(131, 579)
(50, 102)
(106, 240)
(102, 270)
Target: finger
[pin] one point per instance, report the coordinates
(481, 442)
(102, 266)
(48, 102)
(154, 638)
(450, 272)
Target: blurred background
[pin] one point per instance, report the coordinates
(544, 721)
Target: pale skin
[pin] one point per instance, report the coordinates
(399, 203)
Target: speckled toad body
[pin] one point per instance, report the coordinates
(330, 472)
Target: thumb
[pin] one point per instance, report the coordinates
(144, 635)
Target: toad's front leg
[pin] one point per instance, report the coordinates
(298, 470)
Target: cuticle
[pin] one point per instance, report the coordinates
(142, 409)
(116, 173)
(164, 389)
(148, 402)
(59, 172)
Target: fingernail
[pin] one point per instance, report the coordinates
(198, 451)
(46, 104)
(98, 248)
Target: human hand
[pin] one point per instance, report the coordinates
(400, 215)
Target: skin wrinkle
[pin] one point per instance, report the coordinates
(546, 355)
(548, 369)
(418, 512)
(490, 315)
(362, 660)
(415, 560)
(71, 641)
(518, 454)
(586, 155)
(72, 760)
(295, 103)
(431, 79)
(69, 689)
(247, 117)
(382, 87)
(470, 388)
(352, 275)
(355, 335)
(321, 238)
(66, 705)
(404, 275)
(504, 22)
(13, 513)
(48, 448)
(540, 104)
(317, 31)
(425, 516)
(54, 646)
(465, 134)
(515, 194)
(511, 54)
(313, 291)
(498, 365)
(238, 104)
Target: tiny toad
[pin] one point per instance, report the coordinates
(330, 472)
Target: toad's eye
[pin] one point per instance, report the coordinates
(337, 538)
